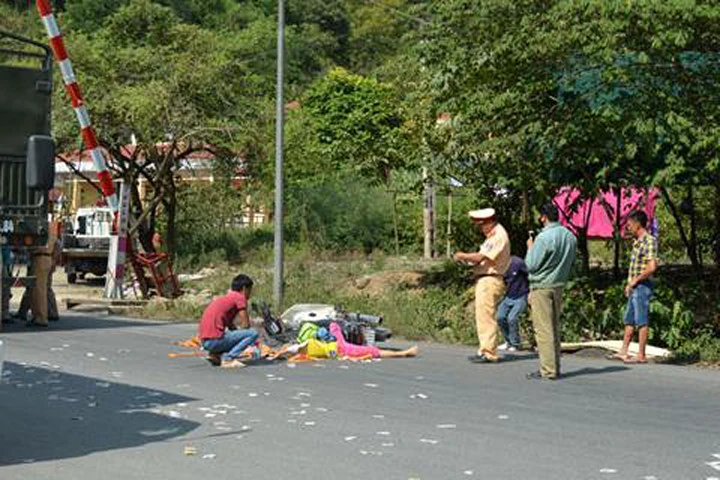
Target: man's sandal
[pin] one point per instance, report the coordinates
(635, 361)
(618, 356)
(235, 363)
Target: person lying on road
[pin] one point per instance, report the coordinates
(340, 349)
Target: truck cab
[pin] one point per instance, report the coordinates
(86, 242)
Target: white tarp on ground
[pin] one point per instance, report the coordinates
(616, 345)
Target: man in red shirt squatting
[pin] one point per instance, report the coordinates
(224, 346)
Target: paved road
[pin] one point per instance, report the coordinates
(99, 398)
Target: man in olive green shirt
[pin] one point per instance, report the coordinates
(550, 260)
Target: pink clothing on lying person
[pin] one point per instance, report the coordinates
(346, 349)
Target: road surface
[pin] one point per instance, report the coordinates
(99, 398)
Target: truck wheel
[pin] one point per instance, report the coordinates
(72, 278)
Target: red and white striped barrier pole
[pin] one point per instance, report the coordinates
(73, 89)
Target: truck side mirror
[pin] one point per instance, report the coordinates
(40, 167)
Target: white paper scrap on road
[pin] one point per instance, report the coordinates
(447, 426)
(429, 441)
(608, 470)
(209, 456)
(503, 417)
(350, 438)
(615, 346)
(371, 385)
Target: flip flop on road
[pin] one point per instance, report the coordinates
(617, 356)
(635, 361)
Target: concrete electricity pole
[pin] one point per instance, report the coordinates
(278, 281)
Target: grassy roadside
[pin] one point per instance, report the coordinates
(423, 300)
(399, 288)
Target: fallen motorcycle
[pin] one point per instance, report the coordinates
(358, 328)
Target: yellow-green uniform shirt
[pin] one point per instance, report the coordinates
(644, 250)
(496, 247)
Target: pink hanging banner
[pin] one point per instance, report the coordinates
(599, 216)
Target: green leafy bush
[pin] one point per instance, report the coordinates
(343, 214)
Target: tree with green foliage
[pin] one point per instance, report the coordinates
(170, 85)
(548, 94)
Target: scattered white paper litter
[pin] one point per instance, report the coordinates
(446, 426)
(89, 354)
(209, 456)
(252, 394)
(371, 385)
(503, 417)
(468, 472)
(388, 444)
(608, 470)
(421, 396)
(429, 441)
(210, 415)
(309, 424)
(350, 438)
(383, 434)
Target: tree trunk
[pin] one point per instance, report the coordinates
(144, 230)
(448, 240)
(617, 233)
(396, 228)
(171, 214)
(677, 216)
(716, 234)
(583, 250)
(692, 213)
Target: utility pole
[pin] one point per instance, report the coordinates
(428, 216)
(278, 281)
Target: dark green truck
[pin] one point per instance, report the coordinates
(27, 163)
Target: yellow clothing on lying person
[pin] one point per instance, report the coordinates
(318, 349)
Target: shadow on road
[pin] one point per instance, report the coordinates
(70, 322)
(594, 371)
(50, 415)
